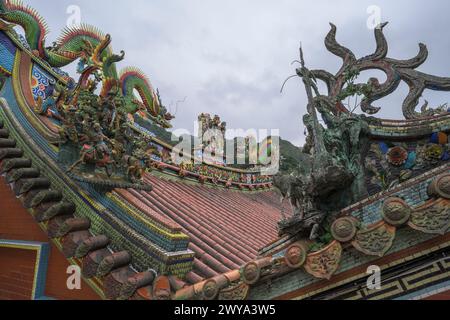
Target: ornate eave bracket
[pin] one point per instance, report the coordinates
(324, 263)
(377, 239)
(434, 217)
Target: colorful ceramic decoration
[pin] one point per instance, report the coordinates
(397, 156)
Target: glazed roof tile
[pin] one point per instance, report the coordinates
(226, 228)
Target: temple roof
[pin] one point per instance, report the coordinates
(142, 227)
(226, 228)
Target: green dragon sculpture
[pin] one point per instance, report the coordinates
(81, 43)
(134, 79)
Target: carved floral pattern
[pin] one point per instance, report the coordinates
(252, 271)
(440, 186)
(432, 218)
(397, 156)
(433, 152)
(236, 292)
(324, 263)
(210, 289)
(376, 240)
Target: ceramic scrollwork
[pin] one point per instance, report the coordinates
(375, 240)
(324, 263)
(236, 292)
(433, 218)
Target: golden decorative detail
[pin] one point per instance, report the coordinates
(433, 218)
(433, 152)
(375, 240)
(324, 263)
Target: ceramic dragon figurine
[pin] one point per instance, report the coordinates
(134, 79)
(82, 43)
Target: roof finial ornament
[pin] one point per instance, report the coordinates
(310, 82)
(395, 70)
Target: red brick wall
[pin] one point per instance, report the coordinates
(56, 286)
(17, 273)
(16, 223)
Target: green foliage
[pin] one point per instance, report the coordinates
(323, 241)
(351, 89)
(290, 157)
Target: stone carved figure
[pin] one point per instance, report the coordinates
(215, 138)
(334, 176)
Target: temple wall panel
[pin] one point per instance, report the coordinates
(16, 273)
(17, 266)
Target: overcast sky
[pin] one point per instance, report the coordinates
(231, 57)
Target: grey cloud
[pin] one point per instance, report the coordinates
(231, 57)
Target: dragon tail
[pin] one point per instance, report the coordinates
(34, 25)
(134, 79)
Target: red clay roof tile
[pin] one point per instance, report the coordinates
(226, 228)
